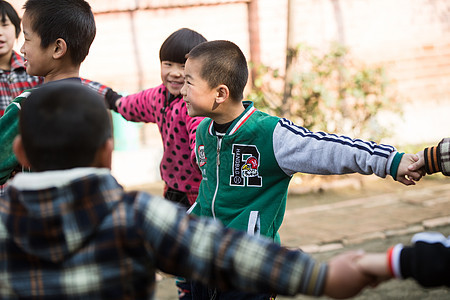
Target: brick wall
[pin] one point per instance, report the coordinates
(410, 37)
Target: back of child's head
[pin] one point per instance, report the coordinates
(222, 63)
(7, 10)
(71, 20)
(178, 44)
(62, 126)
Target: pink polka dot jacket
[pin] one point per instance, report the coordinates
(178, 167)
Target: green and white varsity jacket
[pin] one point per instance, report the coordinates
(9, 129)
(246, 171)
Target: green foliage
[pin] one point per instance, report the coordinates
(327, 91)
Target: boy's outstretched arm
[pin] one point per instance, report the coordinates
(404, 174)
(230, 259)
(427, 261)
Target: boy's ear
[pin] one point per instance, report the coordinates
(60, 48)
(103, 157)
(222, 93)
(19, 151)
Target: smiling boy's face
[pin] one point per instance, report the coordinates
(38, 60)
(198, 95)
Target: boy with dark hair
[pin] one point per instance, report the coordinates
(69, 230)
(58, 35)
(63, 24)
(247, 157)
(13, 76)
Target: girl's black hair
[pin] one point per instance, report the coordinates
(178, 44)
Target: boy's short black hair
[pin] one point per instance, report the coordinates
(6, 9)
(178, 44)
(62, 126)
(222, 63)
(71, 20)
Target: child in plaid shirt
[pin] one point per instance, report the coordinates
(13, 76)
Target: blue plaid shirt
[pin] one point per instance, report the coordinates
(76, 234)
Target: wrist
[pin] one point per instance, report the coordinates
(111, 98)
(395, 163)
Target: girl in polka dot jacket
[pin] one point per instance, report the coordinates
(164, 106)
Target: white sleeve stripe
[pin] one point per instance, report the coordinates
(395, 261)
(371, 147)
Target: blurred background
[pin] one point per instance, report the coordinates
(377, 69)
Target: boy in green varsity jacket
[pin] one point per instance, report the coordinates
(247, 157)
(68, 230)
(58, 35)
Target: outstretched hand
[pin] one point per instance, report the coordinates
(419, 164)
(376, 265)
(406, 175)
(345, 278)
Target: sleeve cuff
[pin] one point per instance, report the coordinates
(393, 256)
(432, 157)
(395, 163)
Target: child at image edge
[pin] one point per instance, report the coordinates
(13, 76)
(427, 260)
(247, 157)
(17, 77)
(164, 106)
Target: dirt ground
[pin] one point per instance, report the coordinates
(335, 192)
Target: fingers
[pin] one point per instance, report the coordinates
(418, 163)
(345, 279)
(405, 181)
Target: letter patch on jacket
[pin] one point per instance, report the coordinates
(201, 155)
(246, 162)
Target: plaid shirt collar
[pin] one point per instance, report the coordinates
(17, 61)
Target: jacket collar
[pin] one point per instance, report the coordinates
(238, 122)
